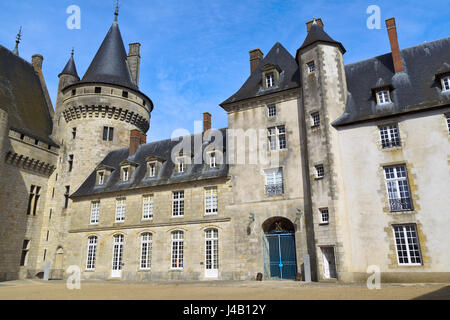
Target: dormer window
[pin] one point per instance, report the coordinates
(101, 177)
(212, 160)
(181, 165)
(383, 96)
(103, 172)
(125, 174)
(152, 169)
(125, 94)
(446, 83)
(311, 67)
(270, 75)
(127, 169)
(270, 80)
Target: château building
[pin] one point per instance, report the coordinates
(346, 167)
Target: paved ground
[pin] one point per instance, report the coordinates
(219, 290)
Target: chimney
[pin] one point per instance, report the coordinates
(206, 121)
(136, 139)
(396, 56)
(310, 23)
(36, 61)
(134, 61)
(256, 56)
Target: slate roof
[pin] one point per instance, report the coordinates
(166, 174)
(22, 96)
(110, 63)
(289, 76)
(416, 88)
(317, 34)
(70, 68)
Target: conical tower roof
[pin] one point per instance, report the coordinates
(110, 63)
(317, 34)
(70, 68)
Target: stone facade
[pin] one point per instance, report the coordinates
(304, 161)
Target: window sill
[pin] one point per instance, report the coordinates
(319, 178)
(323, 224)
(210, 214)
(176, 270)
(177, 217)
(147, 220)
(144, 270)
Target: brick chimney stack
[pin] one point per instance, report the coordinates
(206, 121)
(136, 139)
(396, 56)
(256, 56)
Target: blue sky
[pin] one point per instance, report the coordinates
(195, 52)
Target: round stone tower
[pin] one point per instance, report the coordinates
(95, 115)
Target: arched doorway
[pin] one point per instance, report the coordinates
(279, 252)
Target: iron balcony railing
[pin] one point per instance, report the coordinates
(274, 189)
(404, 204)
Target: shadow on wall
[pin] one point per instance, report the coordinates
(14, 195)
(441, 294)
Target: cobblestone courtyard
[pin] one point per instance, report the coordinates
(220, 290)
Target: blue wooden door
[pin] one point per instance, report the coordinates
(280, 260)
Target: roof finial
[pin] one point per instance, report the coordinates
(73, 51)
(314, 21)
(18, 37)
(116, 13)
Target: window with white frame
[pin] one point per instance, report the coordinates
(315, 117)
(178, 204)
(91, 253)
(390, 136)
(177, 249)
(270, 80)
(181, 165)
(147, 207)
(277, 138)
(274, 181)
(101, 177)
(383, 96)
(320, 172)
(125, 173)
(272, 110)
(407, 245)
(324, 216)
(446, 83)
(152, 169)
(398, 188)
(212, 160)
(211, 201)
(212, 249)
(120, 209)
(146, 251)
(311, 66)
(95, 212)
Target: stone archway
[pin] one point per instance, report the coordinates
(279, 252)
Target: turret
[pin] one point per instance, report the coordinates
(324, 95)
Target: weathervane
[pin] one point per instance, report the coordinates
(116, 13)
(18, 37)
